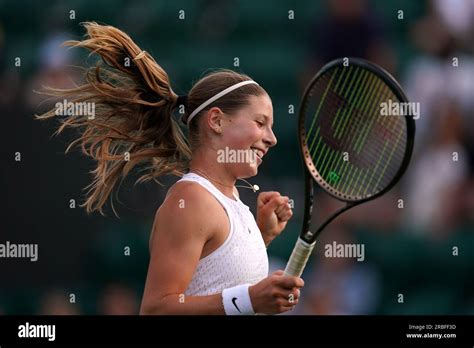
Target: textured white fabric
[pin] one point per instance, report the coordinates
(241, 259)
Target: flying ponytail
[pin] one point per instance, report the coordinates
(133, 123)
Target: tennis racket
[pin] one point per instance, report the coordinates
(349, 148)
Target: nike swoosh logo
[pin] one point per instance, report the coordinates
(233, 302)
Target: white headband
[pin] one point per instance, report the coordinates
(217, 96)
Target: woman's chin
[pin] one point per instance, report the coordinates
(253, 170)
(246, 170)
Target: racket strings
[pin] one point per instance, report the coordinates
(352, 126)
(344, 147)
(347, 121)
(312, 150)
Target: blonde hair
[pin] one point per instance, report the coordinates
(134, 107)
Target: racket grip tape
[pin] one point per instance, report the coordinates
(298, 258)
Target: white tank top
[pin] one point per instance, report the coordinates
(241, 259)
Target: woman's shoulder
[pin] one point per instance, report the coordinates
(186, 211)
(191, 199)
(187, 189)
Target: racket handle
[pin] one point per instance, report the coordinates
(298, 258)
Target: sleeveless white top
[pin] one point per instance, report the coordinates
(241, 259)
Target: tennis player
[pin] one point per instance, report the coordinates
(208, 252)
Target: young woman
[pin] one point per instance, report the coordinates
(208, 253)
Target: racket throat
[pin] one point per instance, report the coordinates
(308, 237)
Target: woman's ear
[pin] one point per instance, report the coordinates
(215, 118)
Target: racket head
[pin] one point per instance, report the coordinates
(340, 117)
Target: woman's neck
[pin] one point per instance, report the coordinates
(206, 165)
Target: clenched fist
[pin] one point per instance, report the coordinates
(273, 213)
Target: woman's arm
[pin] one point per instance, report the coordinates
(180, 231)
(174, 305)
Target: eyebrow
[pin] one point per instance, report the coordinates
(267, 117)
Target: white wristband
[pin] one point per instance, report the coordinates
(236, 300)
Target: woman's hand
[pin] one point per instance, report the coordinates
(273, 213)
(275, 294)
